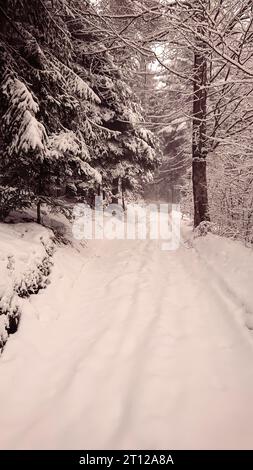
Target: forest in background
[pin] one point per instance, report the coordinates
(97, 94)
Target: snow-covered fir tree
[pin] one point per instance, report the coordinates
(69, 121)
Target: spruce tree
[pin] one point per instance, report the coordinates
(68, 118)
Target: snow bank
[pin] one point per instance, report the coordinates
(25, 262)
(230, 264)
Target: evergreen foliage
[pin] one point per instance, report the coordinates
(69, 122)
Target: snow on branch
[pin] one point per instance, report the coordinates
(63, 142)
(81, 89)
(68, 147)
(26, 131)
(75, 83)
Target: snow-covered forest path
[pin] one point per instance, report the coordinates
(143, 352)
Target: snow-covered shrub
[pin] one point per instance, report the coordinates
(9, 316)
(4, 323)
(36, 277)
(204, 228)
(23, 272)
(231, 196)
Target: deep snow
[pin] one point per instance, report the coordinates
(134, 347)
(25, 252)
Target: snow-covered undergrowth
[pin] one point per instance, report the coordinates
(25, 262)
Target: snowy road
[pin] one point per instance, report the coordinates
(142, 352)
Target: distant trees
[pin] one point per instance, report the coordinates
(202, 53)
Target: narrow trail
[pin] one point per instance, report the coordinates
(145, 355)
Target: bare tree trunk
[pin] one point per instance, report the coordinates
(40, 192)
(199, 150)
(115, 191)
(123, 194)
(39, 212)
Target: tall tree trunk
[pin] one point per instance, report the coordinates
(40, 191)
(115, 191)
(39, 211)
(199, 150)
(123, 193)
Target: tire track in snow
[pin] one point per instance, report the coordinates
(69, 385)
(147, 358)
(140, 354)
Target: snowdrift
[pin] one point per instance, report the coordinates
(230, 264)
(25, 262)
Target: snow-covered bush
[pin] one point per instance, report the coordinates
(35, 279)
(25, 265)
(9, 317)
(204, 228)
(231, 196)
